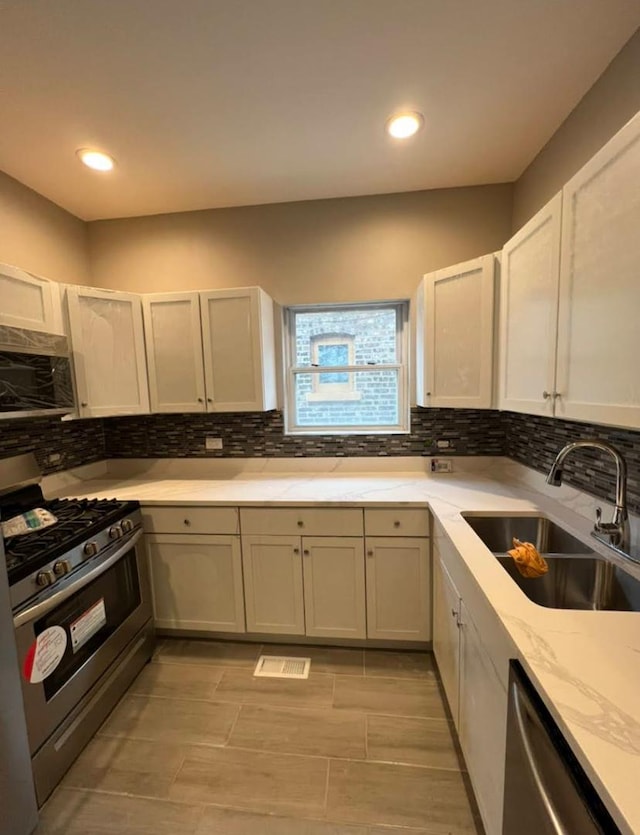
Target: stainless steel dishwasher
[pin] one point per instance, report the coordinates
(546, 791)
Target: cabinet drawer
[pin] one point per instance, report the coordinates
(202, 520)
(401, 522)
(306, 521)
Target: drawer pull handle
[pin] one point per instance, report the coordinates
(396, 524)
(300, 523)
(187, 522)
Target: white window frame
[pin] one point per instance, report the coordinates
(291, 370)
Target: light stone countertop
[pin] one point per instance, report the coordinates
(586, 665)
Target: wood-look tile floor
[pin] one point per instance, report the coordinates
(198, 746)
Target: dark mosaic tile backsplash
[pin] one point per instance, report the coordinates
(533, 441)
(261, 435)
(58, 445)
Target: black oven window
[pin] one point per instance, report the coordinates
(91, 616)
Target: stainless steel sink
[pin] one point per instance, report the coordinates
(497, 533)
(579, 583)
(578, 578)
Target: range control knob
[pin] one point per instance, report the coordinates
(45, 578)
(127, 525)
(115, 532)
(90, 549)
(61, 568)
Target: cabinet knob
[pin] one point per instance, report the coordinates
(209, 399)
(427, 394)
(187, 522)
(396, 524)
(369, 553)
(306, 552)
(201, 400)
(296, 550)
(84, 405)
(551, 394)
(546, 394)
(454, 613)
(300, 523)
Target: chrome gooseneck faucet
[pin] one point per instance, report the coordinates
(616, 532)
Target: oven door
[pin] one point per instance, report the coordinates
(68, 640)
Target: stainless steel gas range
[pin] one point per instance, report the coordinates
(81, 605)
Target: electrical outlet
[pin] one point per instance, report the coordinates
(54, 458)
(443, 444)
(441, 465)
(211, 443)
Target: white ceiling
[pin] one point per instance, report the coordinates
(208, 103)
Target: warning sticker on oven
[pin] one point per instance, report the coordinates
(86, 626)
(44, 655)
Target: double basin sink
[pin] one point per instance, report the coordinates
(578, 578)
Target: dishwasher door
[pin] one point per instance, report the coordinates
(546, 791)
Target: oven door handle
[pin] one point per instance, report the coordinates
(44, 606)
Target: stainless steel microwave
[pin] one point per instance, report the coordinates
(35, 374)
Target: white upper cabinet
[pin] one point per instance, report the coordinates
(29, 302)
(212, 351)
(107, 338)
(239, 351)
(529, 313)
(599, 327)
(454, 327)
(174, 352)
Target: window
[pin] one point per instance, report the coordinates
(346, 369)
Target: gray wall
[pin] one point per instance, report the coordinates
(39, 236)
(609, 104)
(347, 249)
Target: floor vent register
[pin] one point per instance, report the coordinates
(278, 666)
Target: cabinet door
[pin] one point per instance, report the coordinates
(107, 337)
(483, 723)
(457, 336)
(598, 330)
(334, 590)
(173, 341)
(398, 589)
(196, 582)
(446, 633)
(29, 302)
(529, 313)
(239, 357)
(273, 584)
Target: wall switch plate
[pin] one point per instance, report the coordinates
(211, 443)
(441, 465)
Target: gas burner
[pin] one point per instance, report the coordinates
(78, 521)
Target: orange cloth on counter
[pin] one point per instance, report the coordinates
(527, 558)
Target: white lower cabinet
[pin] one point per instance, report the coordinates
(334, 587)
(273, 588)
(446, 634)
(398, 588)
(196, 582)
(482, 723)
(473, 664)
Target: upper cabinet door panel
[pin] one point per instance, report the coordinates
(528, 313)
(237, 331)
(459, 310)
(108, 351)
(174, 352)
(599, 331)
(28, 301)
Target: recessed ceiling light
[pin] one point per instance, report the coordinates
(95, 159)
(405, 125)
